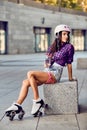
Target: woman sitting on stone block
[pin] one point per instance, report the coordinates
(59, 55)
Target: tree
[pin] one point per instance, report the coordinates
(72, 4)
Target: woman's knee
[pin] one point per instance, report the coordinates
(30, 73)
(25, 83)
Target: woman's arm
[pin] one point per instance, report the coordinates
(69, 67)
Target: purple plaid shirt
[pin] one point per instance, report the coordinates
(64, 55)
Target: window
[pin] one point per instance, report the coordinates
(42, 39)
(78, 39)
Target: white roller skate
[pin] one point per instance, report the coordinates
(36, 108)
(13, 110)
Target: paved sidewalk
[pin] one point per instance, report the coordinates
(13, 69)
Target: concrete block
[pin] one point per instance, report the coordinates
(62, 98)
(82, 63)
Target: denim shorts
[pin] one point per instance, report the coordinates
(56, 70)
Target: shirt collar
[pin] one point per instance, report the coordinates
(63, 44)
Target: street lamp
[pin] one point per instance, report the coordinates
(42, 20)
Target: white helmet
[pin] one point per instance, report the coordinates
(61, 27)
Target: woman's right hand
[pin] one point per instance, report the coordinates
(47, 63)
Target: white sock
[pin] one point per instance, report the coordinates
(17, 104)
(39, 99)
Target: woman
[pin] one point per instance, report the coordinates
(59, 54)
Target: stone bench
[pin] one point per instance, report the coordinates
(82, 63)
(62, 98)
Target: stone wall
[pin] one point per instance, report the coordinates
(21, 19)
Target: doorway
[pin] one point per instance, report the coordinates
(78, 39)
(3, 37)
(42, 39)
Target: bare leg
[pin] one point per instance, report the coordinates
(33, 77)
(23, 91)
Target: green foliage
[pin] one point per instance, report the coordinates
(72, 4)
(69, 4)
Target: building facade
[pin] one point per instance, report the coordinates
(28, 29)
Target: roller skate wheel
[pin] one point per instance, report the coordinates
(46, 105)
(7, 113)
(35, 115)
(11, 116)
(39, 113)
(20, 117)
(21, 114)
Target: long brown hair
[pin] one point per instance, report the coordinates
(56, 46)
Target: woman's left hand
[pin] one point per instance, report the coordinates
(73, 79)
